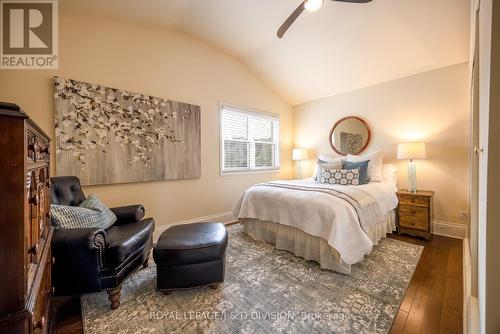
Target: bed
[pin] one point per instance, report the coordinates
(334, 225)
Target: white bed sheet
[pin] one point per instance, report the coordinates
(318, 214)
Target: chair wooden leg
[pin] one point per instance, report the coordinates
(145, 264)
(114, 297)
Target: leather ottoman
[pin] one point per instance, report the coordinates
(190, 256)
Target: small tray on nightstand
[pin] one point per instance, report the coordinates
(415, 213)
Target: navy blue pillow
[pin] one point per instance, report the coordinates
(363, 169)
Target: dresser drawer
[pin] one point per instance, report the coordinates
(414, 200)
(39, 320)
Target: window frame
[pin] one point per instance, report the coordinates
(248, 170)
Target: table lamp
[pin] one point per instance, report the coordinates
(411, 151)
(299, 154)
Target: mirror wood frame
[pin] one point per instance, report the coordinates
(368, 139)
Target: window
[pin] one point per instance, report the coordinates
(249, 141)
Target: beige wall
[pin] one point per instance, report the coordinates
(430, 107)
(164, 64)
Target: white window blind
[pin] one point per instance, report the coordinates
(249, 141)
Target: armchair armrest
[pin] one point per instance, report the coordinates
(129, 214)
(79, 257)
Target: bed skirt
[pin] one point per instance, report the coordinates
(307, 246)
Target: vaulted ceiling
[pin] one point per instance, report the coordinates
(339, 48)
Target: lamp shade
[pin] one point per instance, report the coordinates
(299, 154)
(410, 151)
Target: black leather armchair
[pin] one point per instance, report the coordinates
(92, 260)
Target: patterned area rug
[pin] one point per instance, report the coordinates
(265, 291)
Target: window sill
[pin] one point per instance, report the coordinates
(250, 172)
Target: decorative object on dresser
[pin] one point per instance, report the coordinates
(107, 135)
(94, 259)
(411, 151)
(299, 154)
(350, 135)
(25, 254)
(415, 213)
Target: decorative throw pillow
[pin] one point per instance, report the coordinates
(340, 176)
(363, 169)
(327, 160)
(321, 165)
(91, 213)
(375, 165)
(94, 203)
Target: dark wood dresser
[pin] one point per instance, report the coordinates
(25, 258)
(415, 213)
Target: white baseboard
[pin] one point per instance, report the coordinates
(223, 217)
(449, 229)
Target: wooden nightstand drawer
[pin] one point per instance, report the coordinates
(414, 200)
(413, 222)
(415, 212)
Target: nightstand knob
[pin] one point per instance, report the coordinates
(413, 212)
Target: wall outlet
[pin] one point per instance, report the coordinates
(463, 214)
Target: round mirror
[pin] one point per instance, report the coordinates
(350, 135)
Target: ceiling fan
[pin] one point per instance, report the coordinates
(310, 5)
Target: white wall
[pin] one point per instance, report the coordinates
(432, 107)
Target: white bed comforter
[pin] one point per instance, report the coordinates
(317, 213)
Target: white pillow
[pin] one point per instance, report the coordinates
(374, 166)
(389, 173)
(330, 158)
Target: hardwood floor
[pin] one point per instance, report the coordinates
(432, 304)
(433, 301)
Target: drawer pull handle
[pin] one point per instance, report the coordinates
(413, 212)
(33, 249)
(34, 199)
(53, 290)
(53, 260)
(39, 324)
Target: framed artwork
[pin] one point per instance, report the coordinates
(107, 135)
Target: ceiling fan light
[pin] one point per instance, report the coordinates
(313, 5)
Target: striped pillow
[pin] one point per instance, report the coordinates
(91, 213)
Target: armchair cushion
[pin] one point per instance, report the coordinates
(129, 214)
(122, 241)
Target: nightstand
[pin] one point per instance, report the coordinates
(415, 213)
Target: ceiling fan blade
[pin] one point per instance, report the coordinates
(284, 27)
(354, 1)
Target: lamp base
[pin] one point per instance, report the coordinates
(412, 177)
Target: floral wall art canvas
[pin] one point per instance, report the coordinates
(106, 135)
